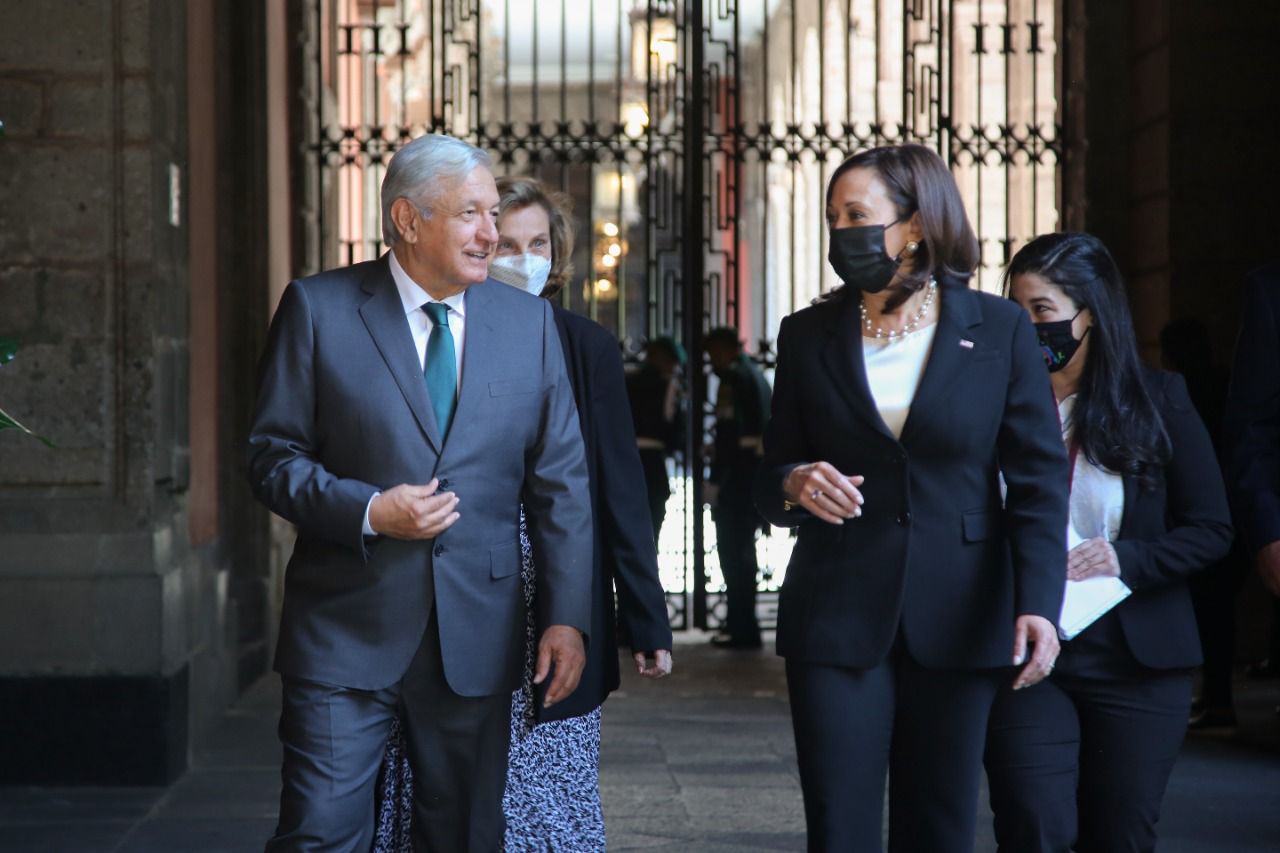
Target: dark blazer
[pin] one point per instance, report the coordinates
(624, 557)
(1180, 526)
(343, 412)
(1252, 423)
(934, 555)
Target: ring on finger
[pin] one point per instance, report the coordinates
(817, 493)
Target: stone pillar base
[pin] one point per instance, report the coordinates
(94, 730)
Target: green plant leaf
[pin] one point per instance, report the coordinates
(7, 421)
(8, 349)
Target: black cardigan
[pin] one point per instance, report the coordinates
(624, 553)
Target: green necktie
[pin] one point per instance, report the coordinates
(441, 368)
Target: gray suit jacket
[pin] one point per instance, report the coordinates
(343, 412)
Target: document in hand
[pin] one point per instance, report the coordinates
(1085, 601)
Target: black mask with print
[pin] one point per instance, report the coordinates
(1057, 344)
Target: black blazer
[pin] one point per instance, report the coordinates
(934, 555)
(624, 555)
(1252, 423)
(1180, 526)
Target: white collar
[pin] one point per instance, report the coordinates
(413, 297)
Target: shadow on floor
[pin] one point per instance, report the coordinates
(702, 761)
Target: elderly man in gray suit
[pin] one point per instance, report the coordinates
(405, 410)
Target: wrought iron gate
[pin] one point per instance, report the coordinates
(695, 137)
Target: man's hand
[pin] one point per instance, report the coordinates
(1039, 633)
(1268, 564)
(561, 645)
(413, 512)
(660, 666)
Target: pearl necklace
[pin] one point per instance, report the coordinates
(911, 325)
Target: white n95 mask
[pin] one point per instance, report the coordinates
(527, 272)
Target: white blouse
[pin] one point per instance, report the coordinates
(1097, 495)
(894, 368)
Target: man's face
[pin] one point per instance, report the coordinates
(451, 248)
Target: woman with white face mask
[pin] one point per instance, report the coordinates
(523, 256)
(535, 238)
(552, 799)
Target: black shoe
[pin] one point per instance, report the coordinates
(728, 641)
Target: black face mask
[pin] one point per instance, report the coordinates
(1057, 344)
(858, 257)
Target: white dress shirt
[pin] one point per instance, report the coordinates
(1097, 495)
(894, 368)
(413, 297)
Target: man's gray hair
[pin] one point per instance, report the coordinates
(419, 171)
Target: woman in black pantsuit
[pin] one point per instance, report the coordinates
(1081, 761)
(913, 589)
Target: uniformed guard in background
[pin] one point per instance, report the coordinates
(742, 410)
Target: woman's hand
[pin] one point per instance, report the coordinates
(1092, 558)
(824, 491)
(654, 664)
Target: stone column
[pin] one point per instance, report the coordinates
(112, 629)
(1177, 113)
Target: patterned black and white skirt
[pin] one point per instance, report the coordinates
(552, 799)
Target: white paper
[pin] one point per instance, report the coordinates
(1085, 601)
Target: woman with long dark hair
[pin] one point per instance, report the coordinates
(914, 591)
(1081, 761)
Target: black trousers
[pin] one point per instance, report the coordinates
(736, 544)
(334, 739)
(924, 727)
(1082, 764)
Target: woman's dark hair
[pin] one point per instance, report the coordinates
(1116, 425)
(518, 192)
(919, 182)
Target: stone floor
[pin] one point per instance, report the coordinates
(702, 761)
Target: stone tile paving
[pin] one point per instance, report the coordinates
(701, 762)
(704, 761)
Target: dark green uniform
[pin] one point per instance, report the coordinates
(742, 409)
